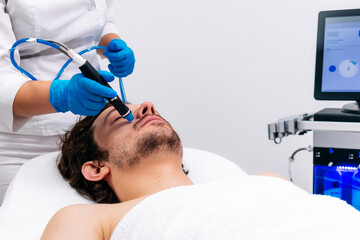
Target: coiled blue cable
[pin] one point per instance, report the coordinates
(12, 58)
(53, 45)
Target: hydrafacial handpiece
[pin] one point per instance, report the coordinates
(85, 67)
(90, 72)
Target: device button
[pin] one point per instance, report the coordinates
(91, 7)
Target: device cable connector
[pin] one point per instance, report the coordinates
(292, 158)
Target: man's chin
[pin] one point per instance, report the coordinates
(163, 140)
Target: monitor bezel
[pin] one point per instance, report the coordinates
(318, 94)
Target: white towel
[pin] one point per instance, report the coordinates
(250, 207)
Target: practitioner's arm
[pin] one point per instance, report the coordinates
(33, 99)
(79, 95)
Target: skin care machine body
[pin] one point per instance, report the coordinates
(336, 132)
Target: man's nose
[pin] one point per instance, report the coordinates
(146, 108)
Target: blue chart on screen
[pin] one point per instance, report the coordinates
(332, 68)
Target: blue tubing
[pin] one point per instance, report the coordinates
(122, 90)
(23, 40)
(14, 63)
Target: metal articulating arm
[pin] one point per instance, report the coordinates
(300, 124)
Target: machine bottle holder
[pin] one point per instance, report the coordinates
(336, 173)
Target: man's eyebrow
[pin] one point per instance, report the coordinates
(107, 115)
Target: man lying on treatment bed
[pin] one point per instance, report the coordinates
(137, 165)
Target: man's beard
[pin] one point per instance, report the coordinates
(160, 140)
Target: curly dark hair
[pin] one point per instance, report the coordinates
(78, 147)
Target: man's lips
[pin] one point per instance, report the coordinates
(150, 119)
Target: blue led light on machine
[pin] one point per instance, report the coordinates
(85, 67)
(337, 174)
(347, 168)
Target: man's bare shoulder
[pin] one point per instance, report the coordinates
(87, 221)
(73, 222)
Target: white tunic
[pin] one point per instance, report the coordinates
(79, 24)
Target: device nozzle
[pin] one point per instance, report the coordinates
(129, 117)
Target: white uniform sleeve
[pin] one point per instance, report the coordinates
(110, 26)
(10, 79)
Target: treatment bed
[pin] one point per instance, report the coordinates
(38, 191)
(223, 203)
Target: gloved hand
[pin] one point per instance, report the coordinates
(80, 95)
(121, 57)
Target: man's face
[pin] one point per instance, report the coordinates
(129, 142)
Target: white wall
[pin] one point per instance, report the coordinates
(221, 70)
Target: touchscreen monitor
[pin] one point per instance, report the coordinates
(337, 74)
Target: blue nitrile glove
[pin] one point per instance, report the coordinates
(121, 57)
(80, 95)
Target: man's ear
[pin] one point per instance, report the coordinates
(94, 172)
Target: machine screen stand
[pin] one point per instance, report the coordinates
(353, 107)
